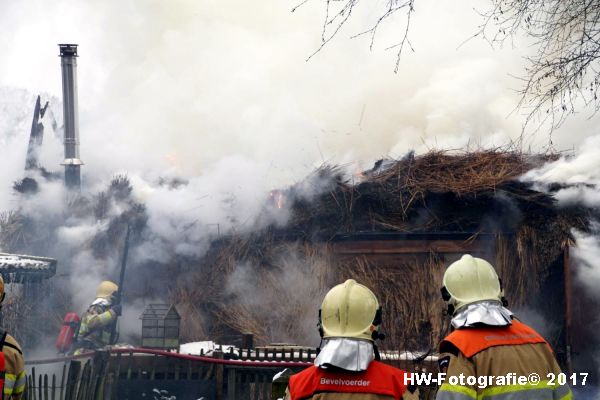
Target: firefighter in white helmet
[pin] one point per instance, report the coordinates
(14, 364)
(98, 322)
(347, 366)
(489, 341)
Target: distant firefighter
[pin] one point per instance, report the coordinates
(348, 366)
(12, 377)
(496, 354)
(99, 321)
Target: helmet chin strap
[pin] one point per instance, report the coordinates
(376, 351)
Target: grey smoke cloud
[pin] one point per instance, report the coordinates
(176, 86)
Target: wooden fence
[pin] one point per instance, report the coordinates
(128, 374)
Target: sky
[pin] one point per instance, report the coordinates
(173, 87)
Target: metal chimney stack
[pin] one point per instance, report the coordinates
(72, 163)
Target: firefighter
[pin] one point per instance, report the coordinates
(488, 341)
(99, 320)
(14, 364)
(347, 366)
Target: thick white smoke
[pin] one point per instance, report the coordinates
(177, 86)
(218, 94)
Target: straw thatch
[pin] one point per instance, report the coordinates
(478, 193)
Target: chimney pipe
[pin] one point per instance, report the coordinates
(72, 162)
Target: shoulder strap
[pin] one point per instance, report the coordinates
(3, 334)
(12, 346)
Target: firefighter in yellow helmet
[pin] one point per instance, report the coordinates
(14, 364)
(98, 322)
(348, 365)
(488, 341)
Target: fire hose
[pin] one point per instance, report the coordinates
(189, 357)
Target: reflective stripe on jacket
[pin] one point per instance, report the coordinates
(515, 351)
(378, 382)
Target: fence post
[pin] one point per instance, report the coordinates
(100, 370)
(40, 386)
(231, 384)
(219, 374)
(115, 381)
(46, 387)
(84, 381)
(53, 387)
(72, 380)
(63, 382)
(33, 394)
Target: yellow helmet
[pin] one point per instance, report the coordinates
(106, 289)
(469, 280)
(350, 310)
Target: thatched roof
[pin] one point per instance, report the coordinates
(470, 194)
(437, 191)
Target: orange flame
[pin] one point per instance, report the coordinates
(278, 198)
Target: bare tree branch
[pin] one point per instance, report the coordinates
(563, 73)
(338, 13)
(561, 76)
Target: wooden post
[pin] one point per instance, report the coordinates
(115, 381)
(46, 387)
(568, 307)
(62, 382)
(129, 371)
(153, 368)
(84, 381)
(72, 379)
(28, 388)
(100, 370)
(219, 369)
(33, 394)
(231, 384)
(40, 387)
(53, 387)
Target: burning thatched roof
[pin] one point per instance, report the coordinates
(21, 268)
(437, 191)
(468, 195)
